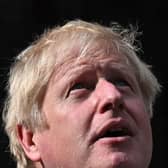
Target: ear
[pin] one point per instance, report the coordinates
(27, 142)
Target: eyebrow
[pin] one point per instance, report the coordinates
(81, 70)
(124, 70)
(72, 70)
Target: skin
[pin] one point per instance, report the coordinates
(82, 99)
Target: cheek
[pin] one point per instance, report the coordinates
(141, 120)
(137, 111)
(57, 148)
(136, 108)
(81, 114)
(46, 147)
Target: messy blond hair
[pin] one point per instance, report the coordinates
(32, 70)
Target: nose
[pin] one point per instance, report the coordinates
(108, 96)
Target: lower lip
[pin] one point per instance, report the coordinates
(114, 140)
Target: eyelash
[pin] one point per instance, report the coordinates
(79, 86)
(121, 83)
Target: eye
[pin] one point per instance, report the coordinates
(80, 89)
(78, 86)
(121, 83)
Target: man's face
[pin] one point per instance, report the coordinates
(96, 117)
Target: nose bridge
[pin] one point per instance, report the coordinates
(108, 96)
(107, 89)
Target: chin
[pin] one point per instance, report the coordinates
(124, 160)
(118, 160)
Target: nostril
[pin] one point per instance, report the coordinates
(120, 107)
(107, 107)
(114, 107)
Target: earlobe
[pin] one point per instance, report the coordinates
(26, 140)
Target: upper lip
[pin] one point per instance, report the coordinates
(113, 125)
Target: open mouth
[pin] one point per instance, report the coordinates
(118, 132)
(114, 130)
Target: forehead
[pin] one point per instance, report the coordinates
(100, 63)
(97, 53)
(84, 45)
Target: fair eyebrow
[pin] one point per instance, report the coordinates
(70, 71)
(125, 71)
(81, 73)
(75, 70)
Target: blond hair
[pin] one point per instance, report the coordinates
(32, 70)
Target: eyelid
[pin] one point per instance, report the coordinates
(130, 84)
(78, 91)
(78, 85)
(122, 82)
